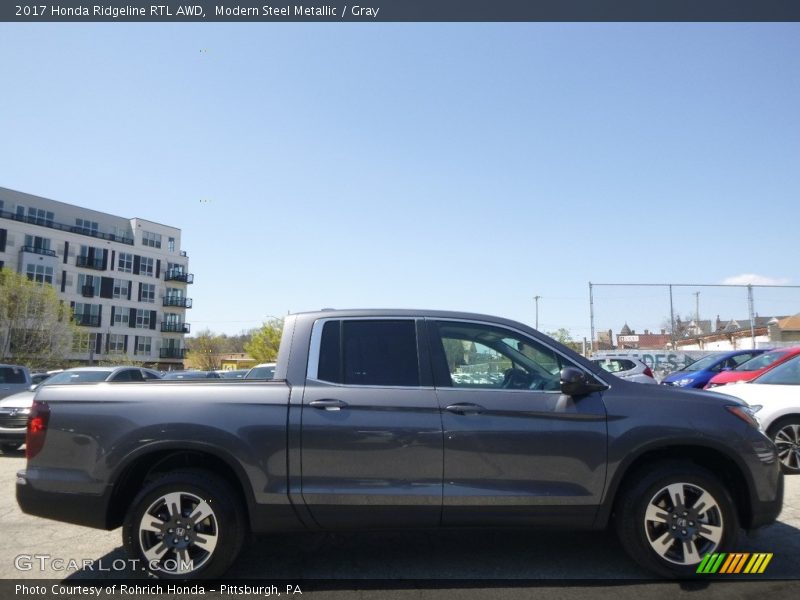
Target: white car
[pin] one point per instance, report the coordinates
(262, 371)
(629, 369)
(775, 400)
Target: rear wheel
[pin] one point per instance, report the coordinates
(786, 435)
(672, 515)
(185, 525)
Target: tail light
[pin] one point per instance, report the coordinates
(647, 371)
(37, 428)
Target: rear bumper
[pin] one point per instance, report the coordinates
(8, 435)
(89, 510)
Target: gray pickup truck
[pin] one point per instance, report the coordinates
(398, 419)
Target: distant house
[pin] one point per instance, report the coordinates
(785, 330)
(628, 339)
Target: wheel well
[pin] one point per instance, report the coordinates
(790, 417)
(717, 463)
(150, 467)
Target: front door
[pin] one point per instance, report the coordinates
(516, 450)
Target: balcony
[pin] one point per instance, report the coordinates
(90, 263)
(177, 275)
(172, 353)
(174, 327)
(37, 250)
(87, 291)
(177, 301)
(62, 227)
(86, 320)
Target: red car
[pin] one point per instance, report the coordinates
(754, 367)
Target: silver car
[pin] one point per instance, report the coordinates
(14, 409)
(627, 368)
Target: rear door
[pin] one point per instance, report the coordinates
(516, 450)
(371, 436)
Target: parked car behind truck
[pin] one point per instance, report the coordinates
(401, 419)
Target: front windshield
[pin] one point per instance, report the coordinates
(786, 374)
(759, 362)
(703, 363)
(76, 377)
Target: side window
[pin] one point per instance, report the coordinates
(741, 358)
(12, 375)
(484, 356)
(123, 376)
(369, 353)
(148, 375)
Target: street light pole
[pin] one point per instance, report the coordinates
(536, 299)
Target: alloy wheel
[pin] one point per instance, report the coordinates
(683, 522)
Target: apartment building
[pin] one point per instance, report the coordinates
(125, 279)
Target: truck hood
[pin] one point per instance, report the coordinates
(18, 400)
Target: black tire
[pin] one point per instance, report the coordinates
(785, 433)
(663, 524)
(184, 544)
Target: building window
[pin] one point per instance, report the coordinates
(86, 226)
(151, 239)
(40, 273)
(148, 292)
(36, 242)
(88, 285)
(146, 266)
(121, 315)
(84, 342)
(171, 244)
(36, 215)
(142, 319)
(122, 288)
(87, 314)
(125, 262)
(143, 344)
(116, 343)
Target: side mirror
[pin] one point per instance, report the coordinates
(574, 382)
(33, 387)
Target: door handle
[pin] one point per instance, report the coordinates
(328, 404)
(465, 408)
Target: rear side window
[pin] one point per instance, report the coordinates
(12, 375)
(369, 353)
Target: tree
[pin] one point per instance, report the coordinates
(565, 337)
(35, 327)
(264, 343)
(204, 350)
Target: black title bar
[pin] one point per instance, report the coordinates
(401, 10)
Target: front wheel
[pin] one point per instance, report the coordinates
(185, 525)
(672, 515)
(786, 435)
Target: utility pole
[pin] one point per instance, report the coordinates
(751, 315)
(536, 299)
(697, 308)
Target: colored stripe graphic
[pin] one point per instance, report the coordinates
(734, 563)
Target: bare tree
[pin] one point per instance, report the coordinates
(205, 350)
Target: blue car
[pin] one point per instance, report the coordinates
(698, 374)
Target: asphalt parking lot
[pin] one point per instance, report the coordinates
(508, 563)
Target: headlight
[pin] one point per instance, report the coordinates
(684, 382)
(745, 413)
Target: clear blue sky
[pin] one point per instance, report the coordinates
(454, 166)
